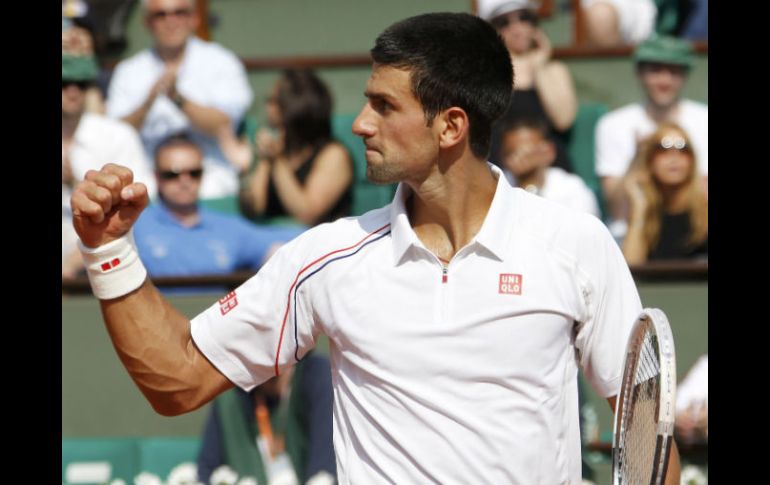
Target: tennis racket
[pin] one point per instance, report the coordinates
(644, 415)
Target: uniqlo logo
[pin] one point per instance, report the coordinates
(510, 284)
(228, 302)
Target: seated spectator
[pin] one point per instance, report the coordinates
(692, 404)
(302, 172)
(611, 23)
(88, 141)
(527, 156)
(252, 433)
(668, 209)
(543, 88)
(77, 40)
(182, 83)
(176, 237)
(662, 66)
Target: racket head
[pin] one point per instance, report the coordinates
(644, 418)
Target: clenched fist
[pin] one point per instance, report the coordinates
(107, 204)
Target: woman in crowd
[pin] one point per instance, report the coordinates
(302, 173)
(667, 203)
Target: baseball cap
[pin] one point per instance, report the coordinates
(489, 9)
(78, 68)
(665, 49)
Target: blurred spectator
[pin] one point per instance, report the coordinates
(176, 237)
(662, 66)
(291, 418)
(668, 210)
(527, 156)
(610, 23)
(543, 88)
(696, 24)
(692, 403)
(302, 172)
(77, 40)
(88, 141)
(182, 83)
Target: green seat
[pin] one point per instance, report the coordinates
(160, 455)
(581, 146)
(96, 460)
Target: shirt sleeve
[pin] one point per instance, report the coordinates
(611, 305)
(263, 326)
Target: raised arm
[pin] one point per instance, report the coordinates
(151, 337)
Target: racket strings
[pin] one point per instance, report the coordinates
(641, 422)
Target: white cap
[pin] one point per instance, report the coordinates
(489, 9)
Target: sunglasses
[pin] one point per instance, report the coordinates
(163, 14)
(82, 85)
(673, 143)
(502, 21)
(195, 173)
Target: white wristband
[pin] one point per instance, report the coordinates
(114, 269)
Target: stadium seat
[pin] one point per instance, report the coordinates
(96, 461)
(581, 146)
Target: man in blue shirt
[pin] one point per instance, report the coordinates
(176, 237)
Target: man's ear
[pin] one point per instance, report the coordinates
(454, 127)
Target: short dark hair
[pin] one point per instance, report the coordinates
(454, 59)
(306, 109)
(535, 124)
(181, 138)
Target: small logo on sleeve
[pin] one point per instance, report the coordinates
(108, 265)
(510, 284)
(228, 302)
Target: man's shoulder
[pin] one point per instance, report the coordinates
(211, 50)
(345, 233)
(623, 115)
(694, 108)
(139, 60)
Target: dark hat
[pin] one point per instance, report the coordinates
(664, 49)
(78, 68)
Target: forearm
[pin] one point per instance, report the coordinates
(635, 247)
(205, 119)
(292, 195)
(254, 193)
(154, 343)
(554, 87)
(136, 119)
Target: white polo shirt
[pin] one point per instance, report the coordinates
(468, 379)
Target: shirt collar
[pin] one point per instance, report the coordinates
(494, 232)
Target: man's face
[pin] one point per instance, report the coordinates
(662, 83)
(178, 171)
(399, 144)
(171, 22)
(517, 30)
(525, 151)
(73, 97)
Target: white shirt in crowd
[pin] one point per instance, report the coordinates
(566, 189)
(618, 132)
(209, 75)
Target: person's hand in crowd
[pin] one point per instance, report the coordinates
(237, 150)
(166, 83)
(541, 54)
(107, 204)
(269, 144)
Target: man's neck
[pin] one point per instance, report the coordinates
(69, 124)
(448, 209)
(659, 114)
(187, 215)
(535, 179)
(170, 55)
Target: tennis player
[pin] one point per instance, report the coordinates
(457, 315)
